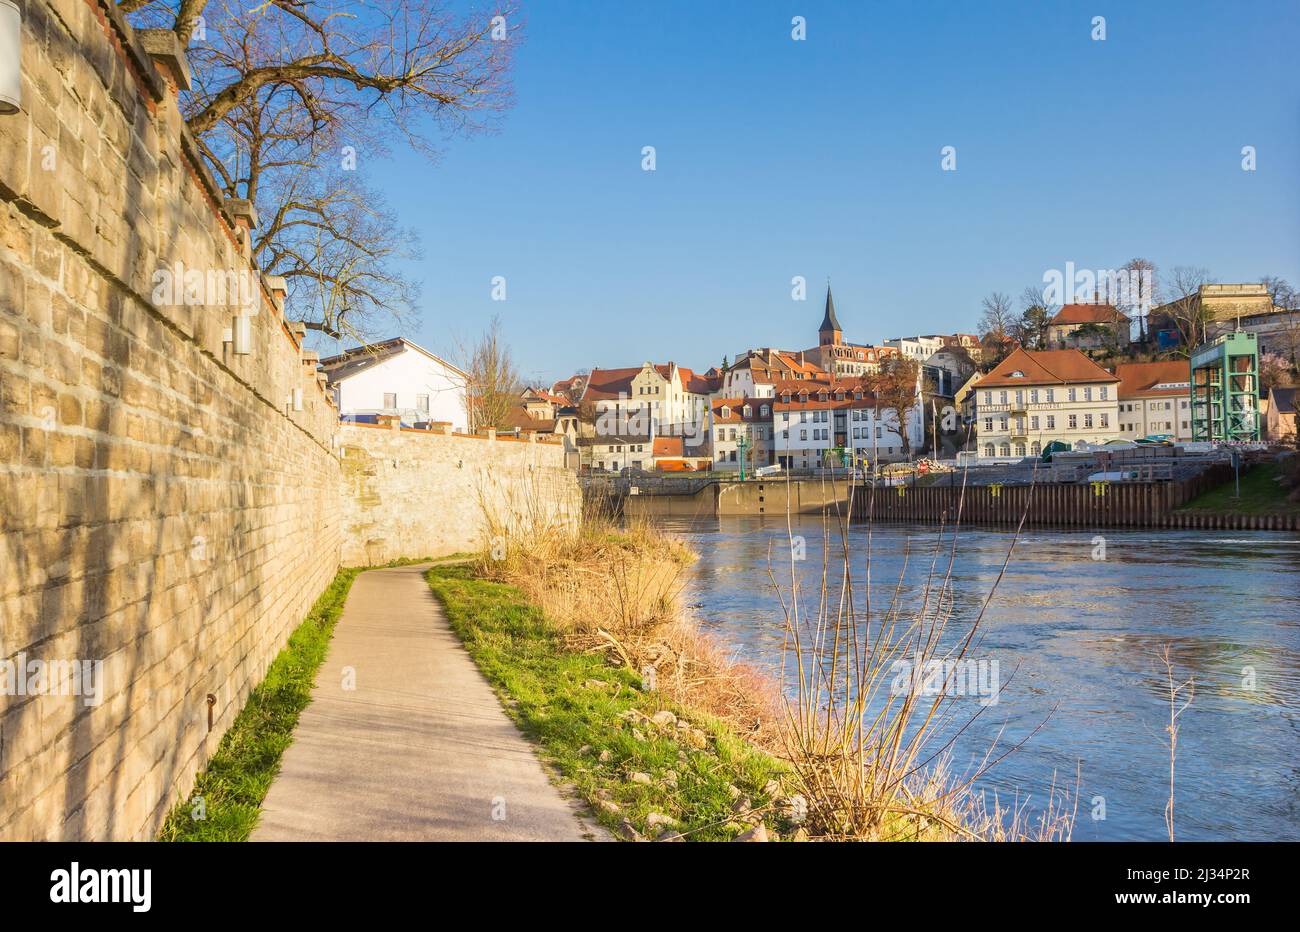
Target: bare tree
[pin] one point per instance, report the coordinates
(1138, 305)
(1030, 329)
(895, 388)
(339, 247)
(997, 318)
(1281, 292)
(1187, 312)
(1183, 693)
(288, 95)
(494, 385)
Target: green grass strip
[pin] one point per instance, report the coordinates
(240, 773)
(1261, 494)
(577, 708)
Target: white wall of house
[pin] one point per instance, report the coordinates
(917, 348)
(1143, 416)
(802, 437)
(410, 383)
(1022, 421)
(664, 402)
(739, 383)
(725, 436)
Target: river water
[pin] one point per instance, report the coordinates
(1077, 643)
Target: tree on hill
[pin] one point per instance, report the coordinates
(1188, 314)
(1030, 330)
(997, 317)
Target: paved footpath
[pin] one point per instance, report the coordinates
(420, 750)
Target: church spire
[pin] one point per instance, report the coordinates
(829, 331)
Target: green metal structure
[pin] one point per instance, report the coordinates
(1225, 388)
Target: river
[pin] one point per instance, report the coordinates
(1077, 640)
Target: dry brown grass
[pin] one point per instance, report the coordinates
(614, 587)
(868, 756)
(866, 762)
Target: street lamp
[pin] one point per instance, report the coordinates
(11, 41)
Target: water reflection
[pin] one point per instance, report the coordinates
(1082, 637)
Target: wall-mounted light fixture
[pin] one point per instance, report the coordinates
(11, 57)
(239, 334)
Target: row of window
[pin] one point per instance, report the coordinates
(1071, 394)
(390, 402)
(1166, 426)
(1072, 422)
(725, 411)
(1006, 449)
(1154, 406)
(729, 433)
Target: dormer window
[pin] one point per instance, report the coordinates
(725, 412)
(748, 411)
(764, 410)
(1017, 374)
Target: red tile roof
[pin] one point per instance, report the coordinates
(813, 391)
(1139, 379)
(1045, 367)
(1088, 314)
(607, 384)
(736, 408)
(669, 446)
(604, 384)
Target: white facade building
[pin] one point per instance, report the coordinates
(741, 429)
(1033, 398)
(810, 425)
(1155, 400)
(397, 377)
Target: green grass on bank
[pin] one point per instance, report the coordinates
(594, 723)
(248, 758)
(1261, 494)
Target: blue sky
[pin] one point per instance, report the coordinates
(820, 158)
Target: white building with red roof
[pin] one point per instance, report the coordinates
(1155, 399)
(655, 399)
(740, 430)
(756, 371)
(1088, 326)
(1034, 397)
(812, 422)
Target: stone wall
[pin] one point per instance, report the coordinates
(414, 493)
(167, 507)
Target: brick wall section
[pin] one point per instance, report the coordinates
(414, 494)
(161, 507)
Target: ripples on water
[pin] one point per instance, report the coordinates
(1078, 640)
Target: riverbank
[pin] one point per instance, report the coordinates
(582, 633)
(648, 767)
(1264, 491)
(1076, 626)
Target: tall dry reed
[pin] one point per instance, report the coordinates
(869, 756)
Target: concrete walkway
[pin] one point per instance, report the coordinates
(420, 750)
